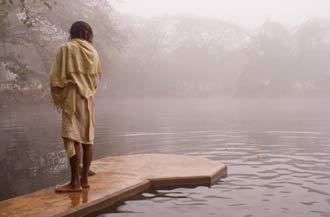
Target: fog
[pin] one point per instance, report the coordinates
(156, 49)
(246, 13)
(244, 82)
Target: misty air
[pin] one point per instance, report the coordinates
(164, 108)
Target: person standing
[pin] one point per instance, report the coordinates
(73, 86)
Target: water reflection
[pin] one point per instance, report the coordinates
(29, 159)
(277, 153)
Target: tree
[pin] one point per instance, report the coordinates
(312, 50)
(32, 30)
(268, 68)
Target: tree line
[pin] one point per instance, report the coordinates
(177, 55)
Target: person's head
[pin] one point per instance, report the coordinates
(81, 30)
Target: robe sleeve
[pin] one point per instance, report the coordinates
(57, 78)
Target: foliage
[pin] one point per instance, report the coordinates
(30, 32)
(195, 56)
(26, 9)
(169, 55)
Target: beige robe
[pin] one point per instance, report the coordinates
(73, 86)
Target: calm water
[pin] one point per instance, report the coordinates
(277, 152)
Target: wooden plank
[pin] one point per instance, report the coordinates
(117, 179)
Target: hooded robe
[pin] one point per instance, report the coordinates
(73, 86)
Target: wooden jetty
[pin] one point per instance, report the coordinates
(117, 179)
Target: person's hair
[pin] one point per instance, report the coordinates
(82, 30)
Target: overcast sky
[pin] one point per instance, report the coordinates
(245, 12)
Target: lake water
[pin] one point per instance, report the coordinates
(277, 152)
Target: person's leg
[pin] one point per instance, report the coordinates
(74, 164)
(74, 184)
(87, 159)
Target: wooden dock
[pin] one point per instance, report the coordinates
(117, 179)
